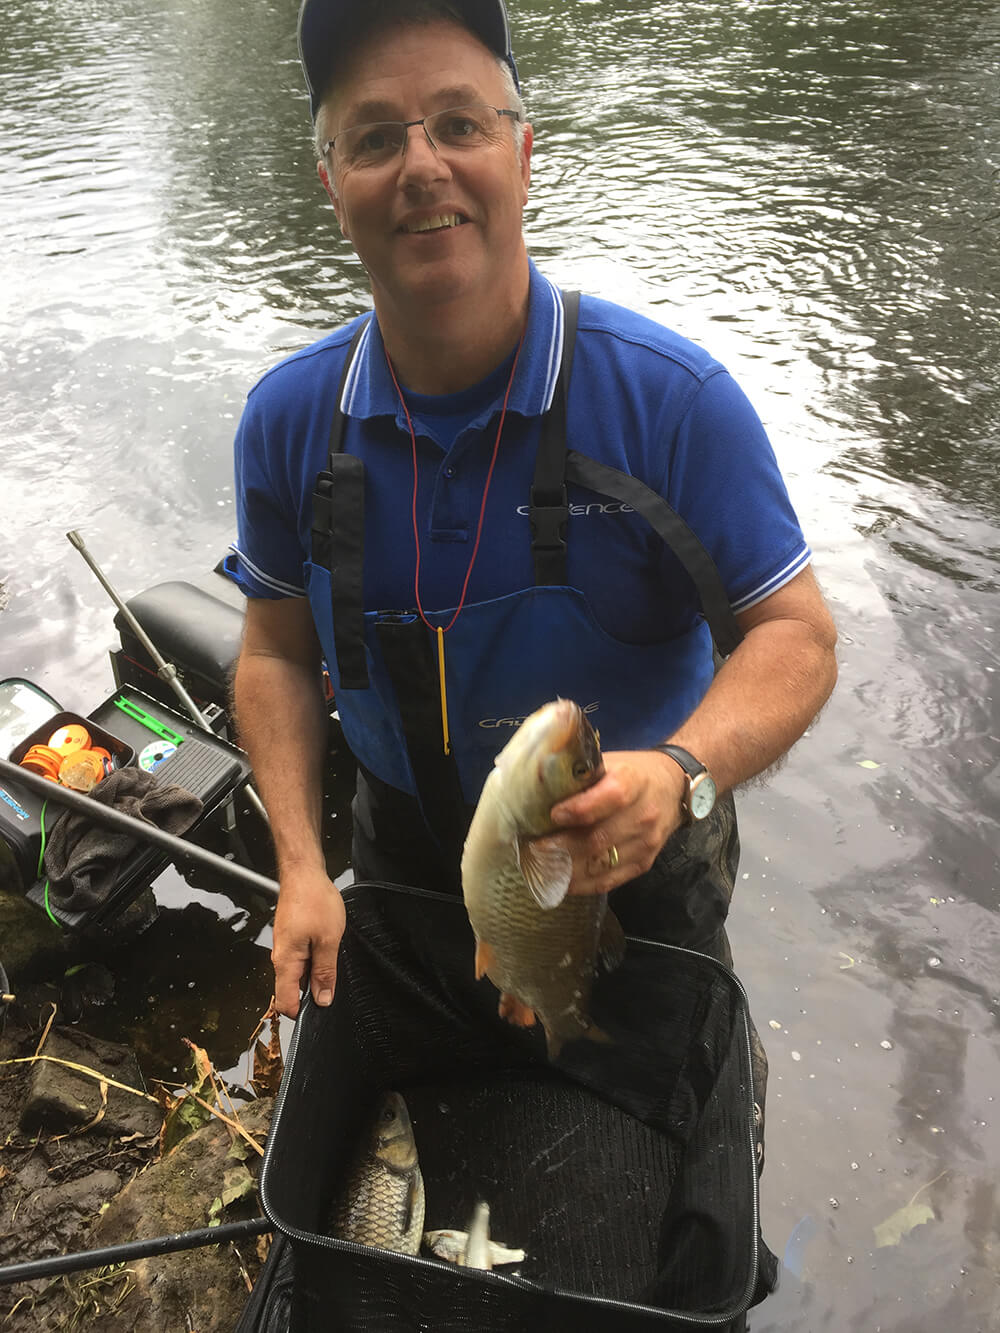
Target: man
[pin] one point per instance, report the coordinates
(479, 499)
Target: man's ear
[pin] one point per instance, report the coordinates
(529, 139)
(324, 176)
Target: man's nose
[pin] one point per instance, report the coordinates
(421, 158)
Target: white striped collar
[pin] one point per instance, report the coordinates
(369, 390)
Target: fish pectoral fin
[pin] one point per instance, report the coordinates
(611, 946)
(485, 958)
(547, 872)
(446, 1245)
(515, 1011)
(413, 1223)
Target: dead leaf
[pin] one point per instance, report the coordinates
(202, 1066)
(901, 1223)
(268, 1065)
(186, 1114)
(187, 1111)
(237, 1183)
(903, 1220)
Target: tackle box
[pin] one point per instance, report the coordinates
(133, 727)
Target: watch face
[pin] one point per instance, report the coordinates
(702, 798)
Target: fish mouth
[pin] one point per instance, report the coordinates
(437, 222)
(568, 717)
(575, 734)
(590, 746)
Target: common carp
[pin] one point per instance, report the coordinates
(538, 946)
(382, 1202)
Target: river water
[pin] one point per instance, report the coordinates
(811, 190)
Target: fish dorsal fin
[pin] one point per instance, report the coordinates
(547, 871)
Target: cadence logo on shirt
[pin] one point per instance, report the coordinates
(490, 722)
(594, 507)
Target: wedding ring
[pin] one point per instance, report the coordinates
(612, 857)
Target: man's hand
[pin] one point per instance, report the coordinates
(634, 809)
(308, 925)
(758, 705)
(282, 722)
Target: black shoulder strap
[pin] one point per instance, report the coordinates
(555, 464)
(338, 540)
(549, 508)
(672, 529)
(411, 662)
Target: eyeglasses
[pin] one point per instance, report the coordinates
(459, 128)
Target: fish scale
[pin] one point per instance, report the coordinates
(540, 941)
(377, 1209)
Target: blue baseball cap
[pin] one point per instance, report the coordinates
(324, 25)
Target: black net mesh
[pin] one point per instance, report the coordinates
(626, 1170)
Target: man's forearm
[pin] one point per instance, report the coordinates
(762, 700)
(282, 723)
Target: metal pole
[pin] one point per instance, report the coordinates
(165, 670)
(176, 848)
(133, 1249)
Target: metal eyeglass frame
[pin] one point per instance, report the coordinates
(407, 125)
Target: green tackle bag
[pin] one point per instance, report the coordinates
(627, 1170)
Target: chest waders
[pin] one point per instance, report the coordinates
(411, 831)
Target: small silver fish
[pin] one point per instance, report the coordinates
(382, 1202)
(538, 946)
(472, 1248)
(477, 1243)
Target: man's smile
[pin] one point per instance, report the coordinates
(439, 222)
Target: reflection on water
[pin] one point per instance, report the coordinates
(810, 190)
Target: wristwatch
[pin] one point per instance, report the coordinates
(698, 801)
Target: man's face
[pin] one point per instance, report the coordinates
(472, 198)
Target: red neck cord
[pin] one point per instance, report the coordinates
(482, 507)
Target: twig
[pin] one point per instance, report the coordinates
(221, 1091)
(14, 1309)
(233, 1124)
(82, 1129)
(47, 1029)
(242, 1267)
(268, 1013)
(927, 1186)
(81, 1069)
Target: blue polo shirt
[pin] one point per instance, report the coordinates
(642, 399)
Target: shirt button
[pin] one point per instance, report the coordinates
(449, 471)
